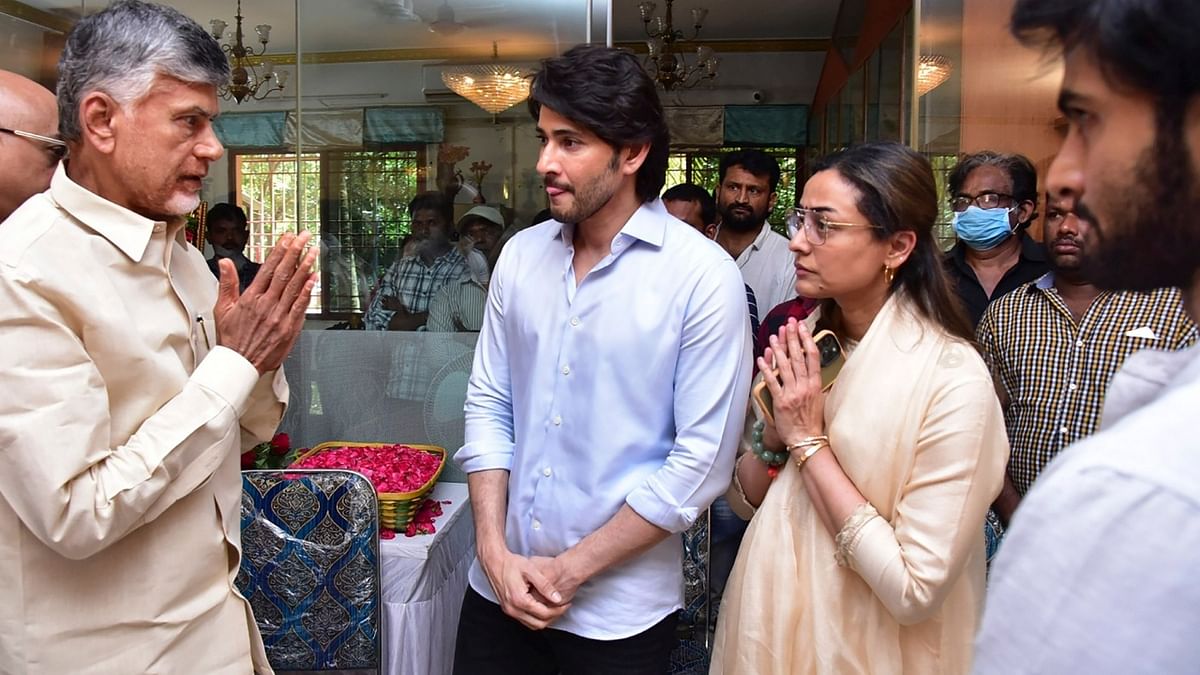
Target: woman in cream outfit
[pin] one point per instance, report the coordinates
(866, 555)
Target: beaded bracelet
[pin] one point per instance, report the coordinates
(773, 460)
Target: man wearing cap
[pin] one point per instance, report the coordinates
(479, 230)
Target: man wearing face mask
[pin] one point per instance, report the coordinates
(228, 232)
(994, 197)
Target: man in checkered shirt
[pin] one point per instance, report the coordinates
(402, 302)
(1053, 345)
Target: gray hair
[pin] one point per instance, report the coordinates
(121, 49)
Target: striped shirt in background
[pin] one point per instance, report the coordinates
(1054, 372)
(457, 308)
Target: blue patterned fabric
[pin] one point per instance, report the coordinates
(310, 567)
(993, 533)
(691, 654)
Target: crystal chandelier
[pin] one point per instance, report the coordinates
(495, 87)
(245, 81)
(932, 71)
(666, 63)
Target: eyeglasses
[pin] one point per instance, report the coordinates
(984, 200)
(817, 226)
(56, 147)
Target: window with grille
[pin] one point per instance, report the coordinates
(701, 168)
(355, 202)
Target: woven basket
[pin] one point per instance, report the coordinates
(396, 509)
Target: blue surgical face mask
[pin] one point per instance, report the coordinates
(983, 229)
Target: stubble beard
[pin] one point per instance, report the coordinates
(747, 224)
(1152, 239)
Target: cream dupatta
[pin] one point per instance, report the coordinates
(915, 424)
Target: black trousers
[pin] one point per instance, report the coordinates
(492, 643)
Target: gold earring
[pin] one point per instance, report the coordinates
(888, 275)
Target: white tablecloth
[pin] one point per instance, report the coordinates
(424, 579)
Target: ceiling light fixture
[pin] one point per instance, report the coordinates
(666, 62)
(932, 71)
(495, 87)
(244, 80)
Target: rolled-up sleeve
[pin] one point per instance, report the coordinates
(712, 383)
(488, 411)
(66, 481)
(912, 562)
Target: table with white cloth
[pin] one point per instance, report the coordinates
(424, 579)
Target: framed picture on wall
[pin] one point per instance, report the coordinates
(196, 220)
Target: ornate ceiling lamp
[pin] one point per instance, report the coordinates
(666, 62)
(495, 87)
(245, 81)
(932, 71)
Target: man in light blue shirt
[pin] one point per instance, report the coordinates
(608, 391)
(1098, 572)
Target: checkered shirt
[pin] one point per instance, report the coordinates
(415, 284)
(1055, 372)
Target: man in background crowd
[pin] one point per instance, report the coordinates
(480, 228)
(402, 302)
(695, 206)
(131, 384)
(1098, 572)
(994, 199)
(227, 231)
(1054, 344)
(29, 145)
(745, 195)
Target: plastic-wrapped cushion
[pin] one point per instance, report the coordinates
(310, 567)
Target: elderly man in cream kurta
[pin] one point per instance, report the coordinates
(130, 382)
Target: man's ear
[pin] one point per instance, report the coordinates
(100, 116)
(632, 157)
(771, 201)
(1025, 211)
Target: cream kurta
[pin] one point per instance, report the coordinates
(914, 422)
(119, 428)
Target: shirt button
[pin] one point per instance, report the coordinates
(158, 228)
(1063, 431)
(574, 321)
(1079, 343)
(1072, 386)
(566, 370)
(558, 420)
(537, 524)
(547, 472)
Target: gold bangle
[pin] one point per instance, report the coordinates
(806, 443)
(809, 451)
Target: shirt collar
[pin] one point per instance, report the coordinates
(1044, 282)
(127, 230)
(761, 239)
(648, 224)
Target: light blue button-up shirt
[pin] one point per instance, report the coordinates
(628, 388)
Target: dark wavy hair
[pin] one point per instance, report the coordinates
(607, 91)
(1021, 173)
(896, 192)
(754, 161)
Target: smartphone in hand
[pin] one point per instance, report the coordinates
(831, 358)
